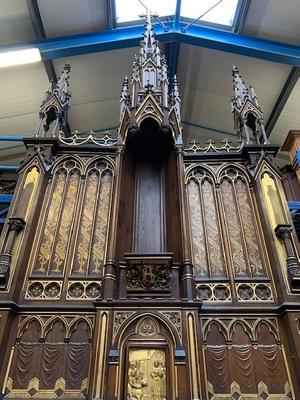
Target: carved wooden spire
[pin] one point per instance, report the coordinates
(148, 94)
(247, 114)
(54, 108)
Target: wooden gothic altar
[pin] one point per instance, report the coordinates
(137, 268)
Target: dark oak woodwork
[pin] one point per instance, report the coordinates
(146, 270)
(149, 233)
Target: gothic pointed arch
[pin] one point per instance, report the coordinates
(207, 242)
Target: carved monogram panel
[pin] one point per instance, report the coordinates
(148, 277)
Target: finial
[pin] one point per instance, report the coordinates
(148, 14)
(149, 86)
(248, 117)
(235, 70)
(54, 108)
(175, 90)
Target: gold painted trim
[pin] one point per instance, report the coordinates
(8, 369)
(101, 346)
(193, 358)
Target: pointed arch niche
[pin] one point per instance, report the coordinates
(149, 196)
(146, 364)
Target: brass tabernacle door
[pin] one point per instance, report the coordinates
(146, 377)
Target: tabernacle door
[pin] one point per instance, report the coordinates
(146, 374)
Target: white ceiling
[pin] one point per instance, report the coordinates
(204, 74)
(15, 22)
(275, 20)
(76, 16)
(290, 117)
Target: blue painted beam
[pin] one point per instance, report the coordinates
(241, 44)
(298, 158)
(3, 213)
(196, 35)
(13, 138)
(8, 168)
(39, 30)
(294, 205)
(6, 198)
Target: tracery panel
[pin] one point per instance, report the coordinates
(60, 209)
(72, 237)
(240, 222)
(205, 225)
(92, 230)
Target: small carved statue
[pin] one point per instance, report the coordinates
(136, 382)
(158, 373)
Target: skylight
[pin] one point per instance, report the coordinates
(129, 10)
(222, 14)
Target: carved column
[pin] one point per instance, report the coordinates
(186, 276)
(284, 232)
(110, 273)
(263, 131)
(16, 225)
(246, 130)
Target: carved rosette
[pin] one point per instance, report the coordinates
(43, 290)
(83, 290)
(254, 292)
(213, 292)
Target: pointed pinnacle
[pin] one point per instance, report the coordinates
(235, 70)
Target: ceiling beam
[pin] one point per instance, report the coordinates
(177, 14)
(172, 55)
(282, 99)
(40, 34)
(210, 128)
(241, 16)
(67, 46)
(172, 48)
(111, 14)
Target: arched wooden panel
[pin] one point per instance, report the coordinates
(205, 225)
(60, 210)
(240, 222)
(90, 246)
